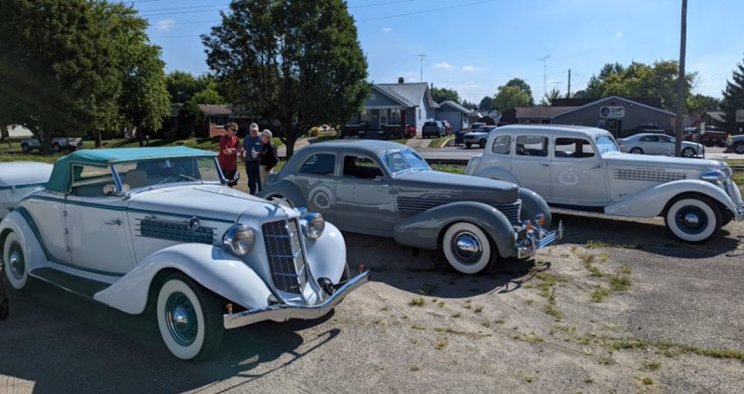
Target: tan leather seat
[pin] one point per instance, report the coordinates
(136, 178)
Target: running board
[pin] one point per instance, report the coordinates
(74, 284)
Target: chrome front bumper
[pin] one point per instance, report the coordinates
(282, 312)
(536, 239)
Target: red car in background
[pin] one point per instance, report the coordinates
(447, 127)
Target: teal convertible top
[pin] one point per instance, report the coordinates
(61, 176)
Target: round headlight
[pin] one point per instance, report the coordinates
(313, 225)
(239, 239)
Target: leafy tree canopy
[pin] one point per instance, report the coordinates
(182, 86)
(733, 96)
(548, 97)
(640, 80)
(486, 104)
(208, 96)
(65, 65)
(298, 62)
(523, 86)
(509, 97)
(467, 104)
(441, 95)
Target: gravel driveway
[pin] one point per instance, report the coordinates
(617, 307)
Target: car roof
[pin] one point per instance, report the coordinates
(647, 134)
(375, 147)
(571, 129)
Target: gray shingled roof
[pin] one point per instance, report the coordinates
(716, 115)
(456, 106)
(409, 93)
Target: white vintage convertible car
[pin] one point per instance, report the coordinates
(155, 227)
(581, 168)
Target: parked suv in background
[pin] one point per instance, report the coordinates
(434, 129)
(477, 137)
(735, 144)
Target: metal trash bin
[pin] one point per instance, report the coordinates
(459, 137)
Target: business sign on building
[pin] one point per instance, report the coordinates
(740, 116)
(612, 112)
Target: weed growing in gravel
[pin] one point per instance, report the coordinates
(499, 321)
(566, 329)
(530, 302)
(606, 361)
(456, 315)
(384, 309)
(619, 283)
(428, 289)
(530, 338)
(625, 270)
(441, 304)
(647, 381)
(587, 258)
(440, 345)
(478, 309)
(603, 257)
(486, 324)
(599, 294)
(672, 349)
(415, 327)
(589, 381)
(600, 244)
(467, 305)
(573, 248)
(652, 365)
(414, 368)
(529, 379)
(417, 301)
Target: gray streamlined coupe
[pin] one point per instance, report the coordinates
(387, 189)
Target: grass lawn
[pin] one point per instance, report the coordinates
(735, 162)
(439, 142)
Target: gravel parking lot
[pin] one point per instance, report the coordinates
(617, 307)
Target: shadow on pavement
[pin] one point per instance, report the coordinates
(59, 342)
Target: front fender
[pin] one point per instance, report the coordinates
(423, 230)
(533, 205)
(326, 256)
(651, 203)
(212, 267)
(285, 189)
(498, 173)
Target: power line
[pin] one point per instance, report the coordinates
(425, 11)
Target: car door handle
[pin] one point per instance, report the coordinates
(543, 164)
(112, 222)
(598, 166)
(380, 187)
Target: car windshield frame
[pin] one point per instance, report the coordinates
(606, 144)
(412, 159)
(175, 178)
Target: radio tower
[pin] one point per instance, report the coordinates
(545, 72)
(421, 75)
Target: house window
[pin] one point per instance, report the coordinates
(217, 120)
(366, 116)
(394, 116)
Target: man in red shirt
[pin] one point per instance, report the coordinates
(228, 156)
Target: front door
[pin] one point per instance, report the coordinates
(97, 225)
(666, 145)
(576, 174)
(383, 118)
(650, 144)
(364, 197)
(531, 164)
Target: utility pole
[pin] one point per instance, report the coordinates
(421, 75)
(681, 82)
(545, 73)
(568, 95)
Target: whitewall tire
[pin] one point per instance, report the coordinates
(693, 219)
(189, 318)
(467, 248)
(14, 259)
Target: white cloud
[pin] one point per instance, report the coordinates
(386, 30)
(470, 69)
(165, 24)
(619, 34)
(443, 65)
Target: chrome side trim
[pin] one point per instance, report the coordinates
(282, 312)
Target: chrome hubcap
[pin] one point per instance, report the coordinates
(691, 219)
(467, 247)
(180, 316)
(16, 263)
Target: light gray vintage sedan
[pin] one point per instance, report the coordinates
(387, 189)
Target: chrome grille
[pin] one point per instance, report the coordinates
(648, 176)
(284, 252)
(408, 207)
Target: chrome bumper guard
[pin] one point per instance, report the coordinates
(282, 312)
(536, 239)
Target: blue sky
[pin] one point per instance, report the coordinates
(473, 46)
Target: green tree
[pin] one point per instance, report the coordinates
(486, 104)
(640, 80)
(298, 62)
(190, 119)
(698, 103)
(523, 86)
(182, 86)
(467, 104)
(548, 97)
(733, 97)
(509, 97)
(208, 96)
(440, 95)
(63, 65)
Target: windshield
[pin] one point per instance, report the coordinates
(404, 160)
(149, 173)
(606, 144)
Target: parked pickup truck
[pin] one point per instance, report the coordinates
(58, 144)
(713, 137)
(735, 144)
